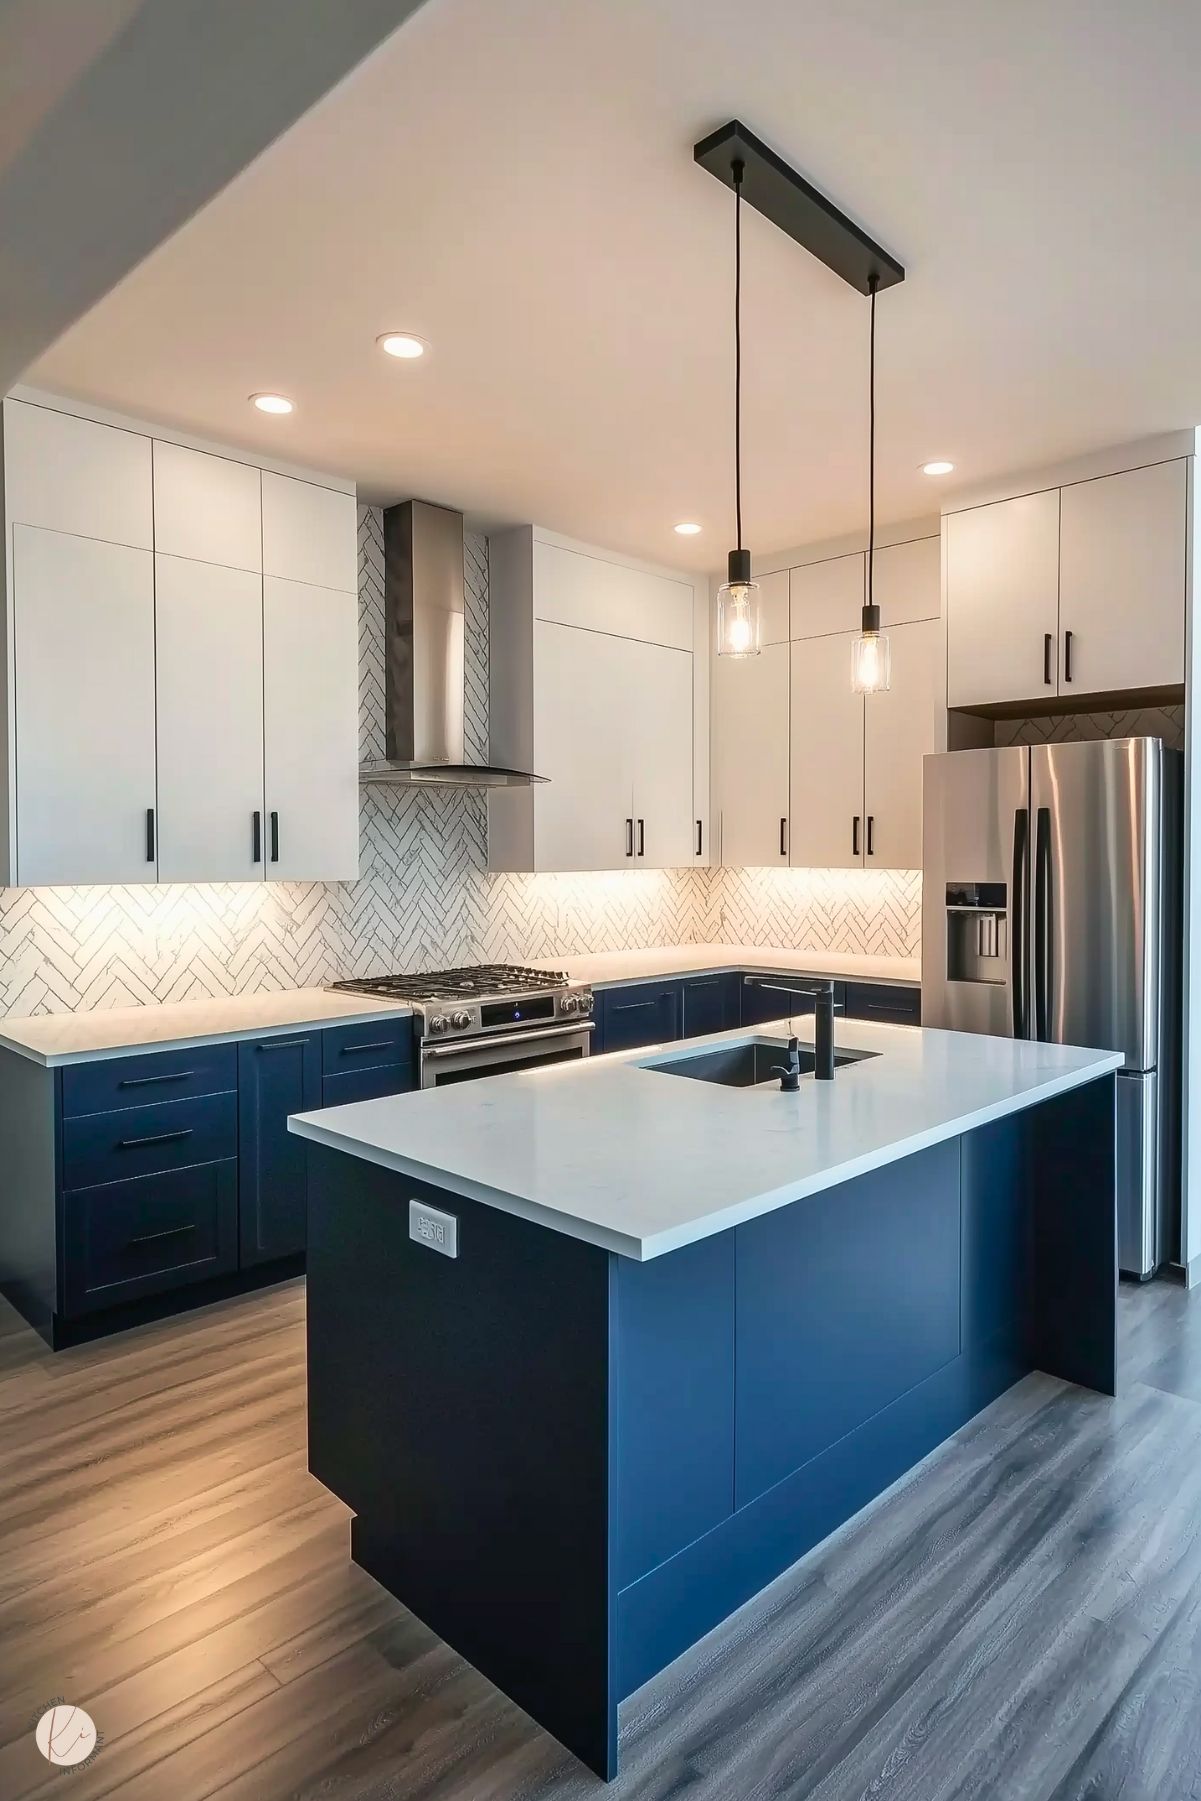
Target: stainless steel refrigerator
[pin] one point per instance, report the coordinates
(1051, 910)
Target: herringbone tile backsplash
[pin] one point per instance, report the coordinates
(424, 897)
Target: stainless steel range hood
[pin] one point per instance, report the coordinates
(423, 651)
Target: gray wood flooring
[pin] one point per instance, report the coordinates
(1020, 1620)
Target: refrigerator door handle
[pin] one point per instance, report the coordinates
(1019, 947)
(1042, 925)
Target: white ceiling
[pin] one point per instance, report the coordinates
(513, 180)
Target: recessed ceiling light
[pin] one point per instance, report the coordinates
(272, 403)
(939, 466)
(687, 528)
(402, 344)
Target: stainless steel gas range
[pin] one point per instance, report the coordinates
(488, 1020)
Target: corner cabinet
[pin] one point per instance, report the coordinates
(592, 683)
(1069, 592)
(182, 662)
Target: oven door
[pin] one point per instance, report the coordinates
(441, 1064)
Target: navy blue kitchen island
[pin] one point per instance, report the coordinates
(573, 1449)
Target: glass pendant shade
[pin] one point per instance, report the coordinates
(738, 609)
(871, 659)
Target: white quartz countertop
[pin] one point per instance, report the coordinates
(643, 1162)
(56, 1038)
(610, 967)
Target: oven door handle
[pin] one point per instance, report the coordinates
(510, 1038)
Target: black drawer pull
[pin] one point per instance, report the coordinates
(137, 1144)
(699, 836)
(1048, 642)
(256, 837)
(281, 1044)
(153, 1237)
(374, 1044)
(1067, 656)
(274, 837)
(176, 1075)
(150, 834)
(871, 834)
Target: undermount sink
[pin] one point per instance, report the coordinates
(745, 1065)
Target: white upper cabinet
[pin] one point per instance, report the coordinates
(827, 596)
(309, 533)
(74, 475)
(207, 507)
(84, 633)
(1122, 580)
(592, 685)
(826, 828)
(901, 727)
(773, 607)
(209, 662)
(574, 587)
(656, 703)
(310, 732)
(750, 757)
(585, 746)
(907, 581)
(1002, 576)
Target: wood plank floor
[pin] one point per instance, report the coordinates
(1020, 1620)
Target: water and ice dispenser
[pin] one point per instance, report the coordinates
(977, 932)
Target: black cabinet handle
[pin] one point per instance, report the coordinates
(642, 837)
(281, 1044)
(855, 836)
(275, 837)
(150, 834)
(699, 838)
(357, 1050)
(1067, 656)
(629, 837)
(177, 1075)
(871, 834)
(784, 836)
(1048, 673)
(137, 1144)
(153, 1237)
(256, 837)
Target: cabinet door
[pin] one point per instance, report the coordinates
(209, 658)
(826, 597)
(1002, 600)
(646, 1014)
(1122, 580)
(826, 737)
(580, 588)
(147, 1235)
(310, 732)
(73, 475)
(583, 743)
(309, 533)
(84, 641)
(658, 710)
(750, 756)
(709, 1004)
(773, 607)
(276, 1077)
(907, 582)
(207, 507)
(900, 728)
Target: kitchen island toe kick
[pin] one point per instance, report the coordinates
(573, 1462)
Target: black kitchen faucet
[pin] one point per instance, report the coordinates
(823, 1030)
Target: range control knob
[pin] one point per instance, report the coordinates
(584, 1003)
(439, 1022)
(570, 1003)
(461, 1021)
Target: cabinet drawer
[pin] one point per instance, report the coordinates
(648, 1013)
(115, 1082)
(114, 1147)
(709, 1004)
(366, 1084)
(367, 1045)
(891, 1006)
(131, 1239)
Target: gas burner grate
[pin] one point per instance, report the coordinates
(458, 984)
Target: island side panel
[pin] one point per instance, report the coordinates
(873, 1320)
(461, 1407)
(1074, 1323)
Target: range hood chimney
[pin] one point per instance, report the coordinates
(423, 651)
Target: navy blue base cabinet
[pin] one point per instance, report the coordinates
(136, 1186)
(572, 1465)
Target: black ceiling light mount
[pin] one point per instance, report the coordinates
(746, 164)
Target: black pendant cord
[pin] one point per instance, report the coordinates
(873, 284)
(736, 171)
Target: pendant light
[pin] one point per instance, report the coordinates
(871, 659)
(738, 596)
